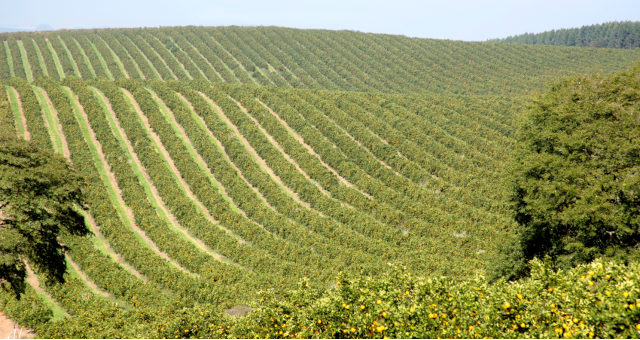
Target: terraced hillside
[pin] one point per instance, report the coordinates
(310, 59)
(203, 192)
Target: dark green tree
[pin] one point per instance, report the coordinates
(41, 195)
(575, 173)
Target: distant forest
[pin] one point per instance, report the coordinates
(624, 34)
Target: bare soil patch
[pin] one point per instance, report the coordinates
(12, 330)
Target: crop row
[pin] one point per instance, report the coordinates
(32, 113)
(100, 267)
(306, 261)
(363, 223)
(180, 205)
(145, 215)
(314, 59)
(295, 180)
(431, 222)
(301, 245)
(7, 122)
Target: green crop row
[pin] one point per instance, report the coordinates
(180, 205)
(78, 55)
(32, 113)
(49, 61)
(173, 64)
(32, 58)
(293, 179)
(202, 188)
(7, 121)
(134, 53)
(153, 56)
(98, 266)
(145, 215)
(198, 60)
(350, 218)
(198, 43)
(16, 58)
(106, 53)
(321, 226)
(429, 226)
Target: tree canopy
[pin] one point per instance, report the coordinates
(625, 34)
(40, 196)
(574, 176)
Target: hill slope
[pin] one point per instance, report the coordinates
(312, 59)
(621, 35)
(209, 191)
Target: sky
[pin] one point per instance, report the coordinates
(454, 19)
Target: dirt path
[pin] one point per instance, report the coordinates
(117, 257)
(11, 330)
(154, 191)
(260, 160)
(32, 279)
(23, 118)
(277, 146)
(63, 140)
(116, 188)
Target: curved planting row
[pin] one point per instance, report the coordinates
(145, 215)
(431, 222)
(16, 58)
(78, 55)
(107, 274)
(7, 121)
(182, 206)
(52, 65)
(198, 60)
(32, 113)
(142, 63)
(307, 262)
(176, 68)
(32, 61)
(354, 219)
(252, 171)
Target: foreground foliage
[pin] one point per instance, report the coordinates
(574, 175)
(596, 300)
(40, 195)
(601, 299)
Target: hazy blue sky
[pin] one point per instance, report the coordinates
(458, 20)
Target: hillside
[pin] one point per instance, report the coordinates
(209, 191)
(225, 161)
(311, 59)
(621, 35)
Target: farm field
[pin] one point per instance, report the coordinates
(309, 59)
(225, 188)
(225, 161)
